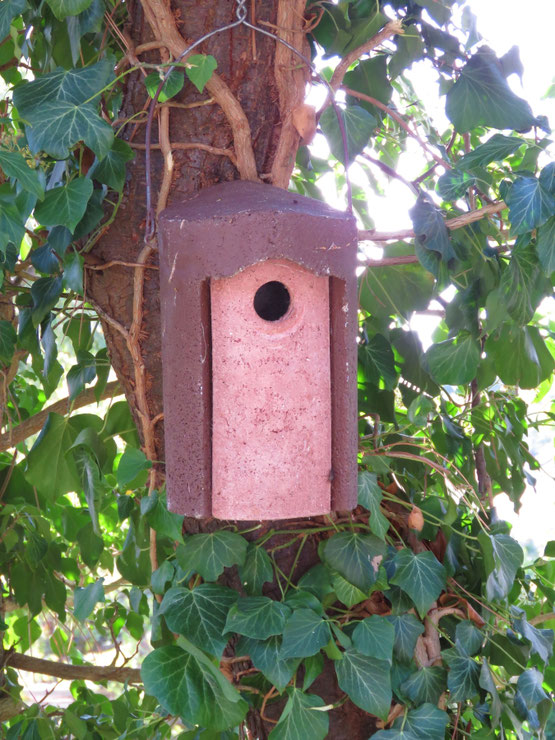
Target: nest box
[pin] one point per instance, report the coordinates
(259, 324)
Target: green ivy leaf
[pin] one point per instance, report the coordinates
(454, 361)
(374, 637)
(48, 467)
(370, 496)
(421, 576)
(85, 599)
(520, 355)
(257, 616)
(356, 557)
(45, 293)
(199, 68)
(378, 361)
(420, 409)
(256, 570)
(8, 338)
(425, 685)
(188, 685)
(199, 614)
(482, 97)
(65, 205)
(366, 681)
(546, 246)
(495, 149)
(370, 77)
(530, 204)
(530, 686)
(9, 9)
(454, 183)
(209, 554)
(131, 464)
(430, 229)
(266, 656)
(64, 8)
(425, 723)
(522, 285)
(111, 169)
(305, 633)
(346, 593)
(503, 557)
(60, 109)
(14, 165)
(541, 640)
(359, 126)
(487, 682)
(462, 679)
(469, 638)
(161, 520)
(172, 85)
(299, 720)
(407, 630)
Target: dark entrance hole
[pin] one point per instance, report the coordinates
(272, 301)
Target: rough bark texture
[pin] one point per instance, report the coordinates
(247, 64)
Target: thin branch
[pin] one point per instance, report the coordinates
(390, 172)
(121, 263)
(165, 146)
(34, 423)
(68, 672)
(175, 145)
(541, 618)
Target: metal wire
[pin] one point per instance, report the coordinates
(241, 15)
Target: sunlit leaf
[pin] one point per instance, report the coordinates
(299, 720)
(209, 554)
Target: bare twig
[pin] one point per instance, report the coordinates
(68, 672)
(175, 145)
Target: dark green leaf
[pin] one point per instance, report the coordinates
(266, 656)
(73, 272)
(356, 557)
(370, 496)
(49, 468)
(347, 593)
(45, 293)
(85, 599)
(522, 286)
(199, 614)
(9, 9)
(407, 630)
(131, 463)
(111, 170)
(454, 183)
(14, 165)
(410, 48)
(421, 576)
(256, 570)
(374, 637)
(79, 375)
(425, 685)
(495, 149)
(60, 109)
(64, 8)
(187, 684)
(358, 124)
(541, 640)
(199, 69)
(506, 556)
(547, 178)
(160, 519)
(378, 361)
(257, 616)
(209, 554)
(519, 355)
(425, 723)
(482, 97)
(546, 246)
(313, 667)
(8, 338)
(468, 637)
(299, 720)
(370, 77)
(91, 482)
(305, 633)
(420, 409)
(454, 361)
(462, 679)
(162, 575)
(65, 205)
(172, 85)
(488, 683)
(530, 204)
(430, 228)
(366, 681)
(530, 686)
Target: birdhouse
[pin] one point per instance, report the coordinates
(259, 324)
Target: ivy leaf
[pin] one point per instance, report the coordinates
(547, 178)
(8, 338)
(160, 519)
(199, 69)
(462, 679)
(85, 599)
(520, 355)
(356, 557)
(454, 183)
(454, 361)
(257, 616)
(495, 149)
(111, 169)
(487, 683)
(60, 109)
(530, 686)
(522, 286)
(79, 375)
(9, 9)
(347, 593)
(530, 204)
(421, 576)
(131, 463)
(546, 246)
(430, 229)
(425, 685)
(359, 126)
(14, 165)
(73, 272)
(266, 656)
(425, 723)
(299, 720)
(64, 8)
(65, 205)
(209, 554)
(503, 557)
(374, 637)
(370, 77)
(188, 685)
(407, 630)
(45, 293)
(304, 635)
(366, 681)
(256, 570)
(469, 638)
(482, 97)
(378, 361)
(541, 640)
(199, 614)
(172, 85)
(370, 496)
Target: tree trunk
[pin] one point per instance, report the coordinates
(267, 83)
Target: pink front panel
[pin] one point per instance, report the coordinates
(271, 438)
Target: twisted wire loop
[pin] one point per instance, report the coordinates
(241, 16)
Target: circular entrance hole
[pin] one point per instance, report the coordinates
(272, 301)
